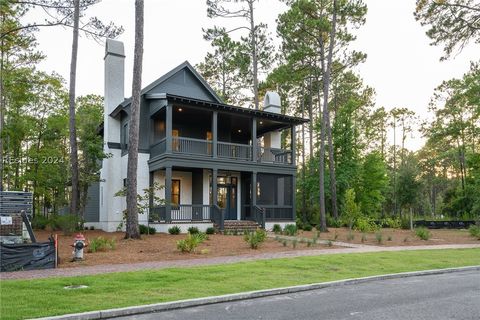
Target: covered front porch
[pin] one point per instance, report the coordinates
(198, 195)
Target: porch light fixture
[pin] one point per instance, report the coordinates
(239, 130)
(261, 122)
(180, 109)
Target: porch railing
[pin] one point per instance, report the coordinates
(274, 155)
(183, 212)
(259, 216)
(217, 217)
(158, 148)
(192, 146)
(234, 151)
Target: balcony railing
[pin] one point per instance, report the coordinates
(191, 146)
(274, 155)
(234, 151)
(225, 150)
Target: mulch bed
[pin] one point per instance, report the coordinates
(161, 247)
(398, 237)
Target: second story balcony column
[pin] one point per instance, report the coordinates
(293, 144)
(214, 133)
(254, 139)
(168, 128)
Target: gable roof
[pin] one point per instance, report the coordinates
(169, 75)
(185, 65)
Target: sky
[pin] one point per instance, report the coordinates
(401, 65)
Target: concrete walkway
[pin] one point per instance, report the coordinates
(91, 270)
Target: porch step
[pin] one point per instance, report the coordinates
(239, 226)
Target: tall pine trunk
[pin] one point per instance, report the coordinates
(132, 229)
(326, 128)
(254, 55)
(326, 113)
(74, 201)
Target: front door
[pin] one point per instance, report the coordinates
(227, 200)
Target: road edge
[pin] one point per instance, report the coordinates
(180, 304)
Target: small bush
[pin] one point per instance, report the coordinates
(379, 237)
(210, 230)
(290, 230)
(332, 223)
(307, 227)
(102, 244)
(335, 235)
(365, 224)
(389, 238)
(147, 230)
(68, 223)
(405, 223)
(92, 228)
(474, 231)
(39, 222)
(392, 223)
(364, 237)
(423, 233)
(329, 243)
(406, 239)
(193, 230)
(284, 242)
(350, 236)
(277, 228)
(190, 243)
(254, 239)
(174, 230)
(294, 243)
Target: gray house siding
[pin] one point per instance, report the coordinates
(184, 84)
(93, 203)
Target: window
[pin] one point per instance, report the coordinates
(176, 193)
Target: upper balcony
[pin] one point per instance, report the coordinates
(206, 130)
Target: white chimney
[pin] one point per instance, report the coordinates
(111, 179)
(272, 103)
(114, 87)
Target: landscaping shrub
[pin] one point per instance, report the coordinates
(254, 239)
(39, 222)
(379, 237)
(294, 243)
(365, 224)
(423, 233)
(307, 227)
(190, 243)
(364, 237)
(392, 223)
(277, 228)
(332, 223)
(193, 230)
(147, 230)
(174, 230)
(350, 236)
(210, 230)
(290, 230)
(474, 231)
(68, 223)
(101, 244)
(405, 223)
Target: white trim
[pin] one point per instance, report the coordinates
(163, 227)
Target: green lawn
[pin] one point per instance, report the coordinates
(44, 297)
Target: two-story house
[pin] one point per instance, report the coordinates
(217, 162)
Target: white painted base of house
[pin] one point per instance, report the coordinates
(269, 225)
(163, 227)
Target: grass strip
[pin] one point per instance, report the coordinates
(46, 297)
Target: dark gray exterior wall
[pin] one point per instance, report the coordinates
(184, 84)
(197, 186)
(92, 206)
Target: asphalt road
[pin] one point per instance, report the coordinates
(436, 297)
